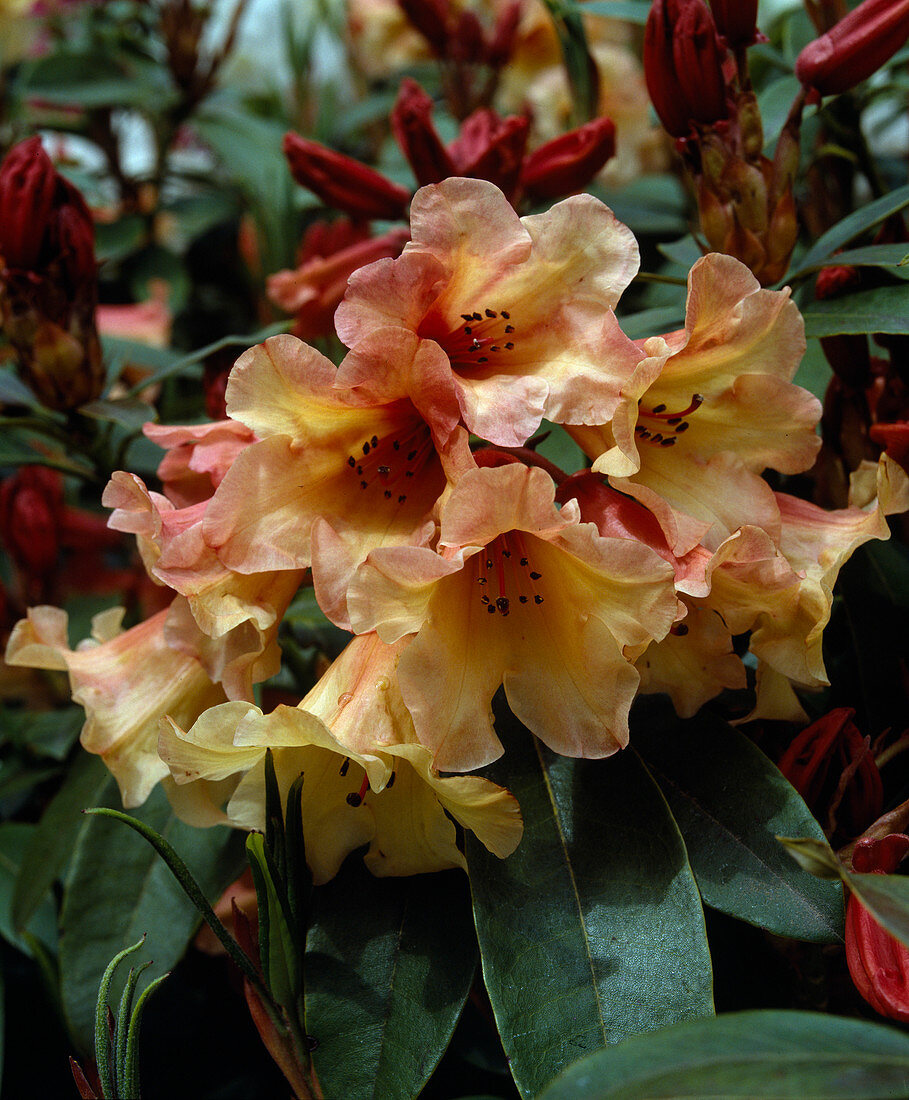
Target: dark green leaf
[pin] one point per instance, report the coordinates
(593, 930)
(13, 391)
(883, 309)
(129, 412)
(388, 968)
(580, 66)
(769, 1055)
(855, 224)
(893, 257)
(14, 841)
(649, 322)
(118, 888)
(51, 843)
(50, 733)
(731, 803)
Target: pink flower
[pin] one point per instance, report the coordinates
(521, 594)
(520, 307)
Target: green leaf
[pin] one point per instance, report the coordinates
(579, 65)
(753, 1055)
(853, 225)
(129, 412)
(14, 842)
(51, 843)
(883, 309)
(280, 965)
(50, 733)
(102, 1036)
(894, 258)
(388, 967)
(118, 888)
(593, 930)
(632, 11)
(649, 322)
(731, 803)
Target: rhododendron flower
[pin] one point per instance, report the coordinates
(126, 681)
(695, 661)
(521, 307)
(522, 594)
(783, 591)
(365, 449)
(711, 407)
(228, 620)
(384, 792)
(314, 288)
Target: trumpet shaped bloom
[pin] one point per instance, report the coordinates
(367, 450)
(521, 594)
(521, 308)
(126, 681)
(384, 793)
(710, 408)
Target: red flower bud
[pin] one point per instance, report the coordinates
(736, 20)
(698, 61)
(491, 148)
(659, 70)
(683, 65)
(567, 163)
(28, 185)
(878, 962)
(31, 517)
(504, 34)
(855, 47)
(343, 182)
(816, 761)
(411, 121)
(430, 18)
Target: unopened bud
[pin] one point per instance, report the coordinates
(491, 148)
(855, 47)
(663, 85)
(343, 182)
(411, 121)
(736, 20)
(567, 163)
(698, 61)
(878, 963)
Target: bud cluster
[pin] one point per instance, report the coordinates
(487, 147)
(697, 76)
(48, 279)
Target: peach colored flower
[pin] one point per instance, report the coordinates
(145, 322)
(126, 681)
(521, 594)
(520, 307)
(384, 792)
(710, 408)
(366, 449)
(314, 288)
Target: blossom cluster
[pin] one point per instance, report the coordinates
(406, 487)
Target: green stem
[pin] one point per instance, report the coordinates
(191, 888)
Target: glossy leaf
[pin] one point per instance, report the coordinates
(854, 224)
(388, 967)
(884, 309)
(730, 828)
(119, 888)
(51, 842)
(593, 930)
(754, 1055)
(15, 838)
